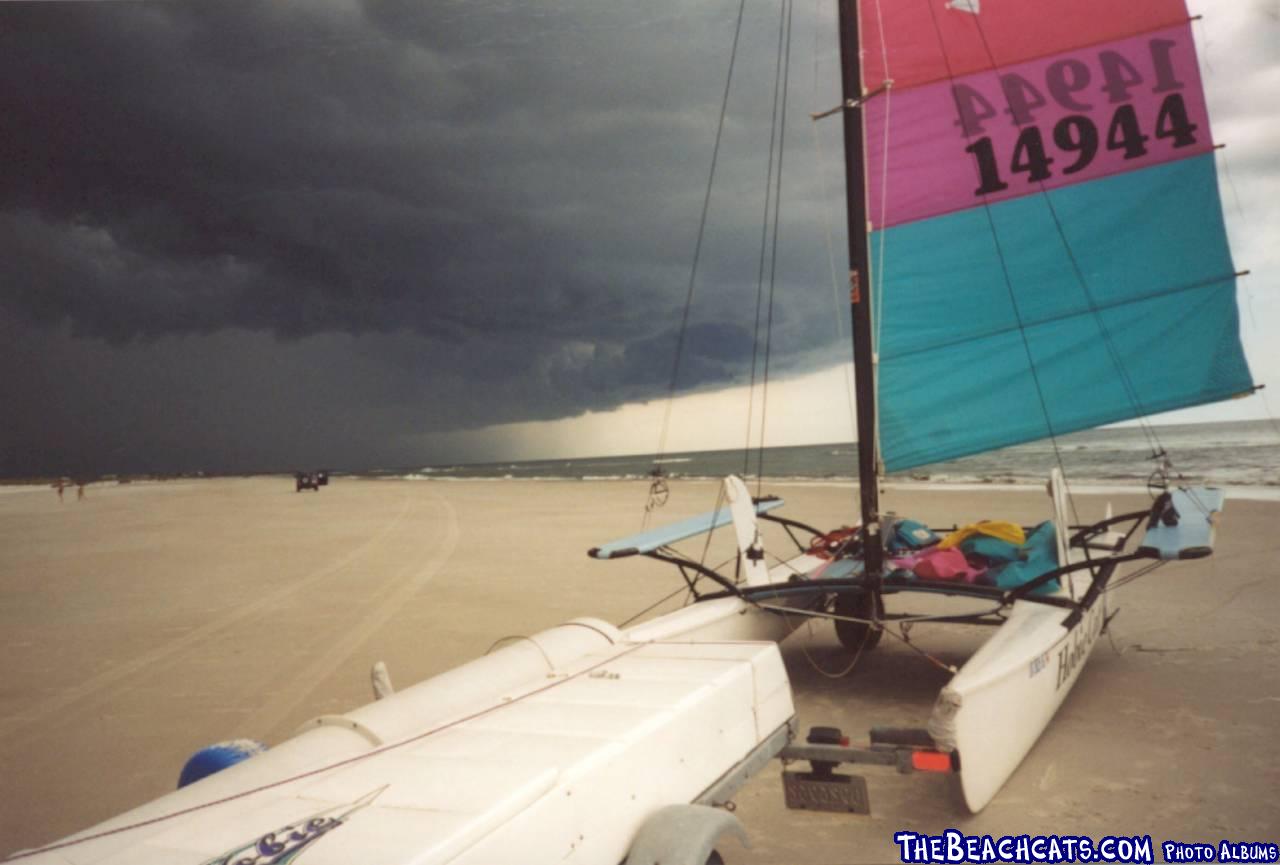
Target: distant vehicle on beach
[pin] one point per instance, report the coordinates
(310, 480)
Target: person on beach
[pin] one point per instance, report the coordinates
(58, 486)
(80, 491)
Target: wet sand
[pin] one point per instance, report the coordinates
(153, 618)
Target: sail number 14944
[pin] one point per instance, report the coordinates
(1113, 106)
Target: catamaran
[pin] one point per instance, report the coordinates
(1036, 246)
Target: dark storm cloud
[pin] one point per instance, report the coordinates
(484, 205)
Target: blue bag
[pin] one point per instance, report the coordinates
(910, 535)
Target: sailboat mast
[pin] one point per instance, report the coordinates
(860, 284)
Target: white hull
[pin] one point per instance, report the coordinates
(993, 711)
(511, 758)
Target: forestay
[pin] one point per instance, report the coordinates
(1048, 238)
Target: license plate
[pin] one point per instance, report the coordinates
(841, 793)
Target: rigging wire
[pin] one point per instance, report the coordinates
(903, 636)
(706, 547)
(702, 225)
(654, 606)
(877, 272)
(764, 240)
(1271, 415)
(773, 255)
(824, 183)
(1129, 578)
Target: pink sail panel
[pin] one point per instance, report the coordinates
(1051, 122)
(933, 40)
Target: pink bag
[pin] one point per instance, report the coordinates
(948, 564)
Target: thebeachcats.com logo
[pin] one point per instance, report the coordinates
(953, 846)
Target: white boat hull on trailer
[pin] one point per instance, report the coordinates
(512, 758)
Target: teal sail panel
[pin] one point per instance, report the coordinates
(991, 336)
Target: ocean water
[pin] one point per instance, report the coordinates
(1230, 454)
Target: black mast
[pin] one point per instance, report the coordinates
(860, 286)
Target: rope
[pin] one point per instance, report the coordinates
(906, 641)
(824, 614)
(853, 662)
(659, 492)
(786, 611)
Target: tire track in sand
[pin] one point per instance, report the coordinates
(39, 712)
(268, 722)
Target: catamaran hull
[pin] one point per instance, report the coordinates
(996, 707)
(511, 758)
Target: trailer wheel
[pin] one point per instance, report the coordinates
(858, 636)
(684, 835)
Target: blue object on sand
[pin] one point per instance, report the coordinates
(217, 757)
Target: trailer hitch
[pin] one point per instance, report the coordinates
(824, 789)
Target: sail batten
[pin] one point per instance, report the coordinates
(1226, 283)
(1045, 193)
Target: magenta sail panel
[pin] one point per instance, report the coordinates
(1074, 116)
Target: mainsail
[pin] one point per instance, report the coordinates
(1048, 248)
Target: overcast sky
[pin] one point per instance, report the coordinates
(240, 236)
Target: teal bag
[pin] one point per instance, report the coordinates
(991, 550)
(1037, 556)
(910, 535)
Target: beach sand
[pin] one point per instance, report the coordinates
(153, 618)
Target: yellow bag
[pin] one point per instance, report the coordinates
(1008, 532)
